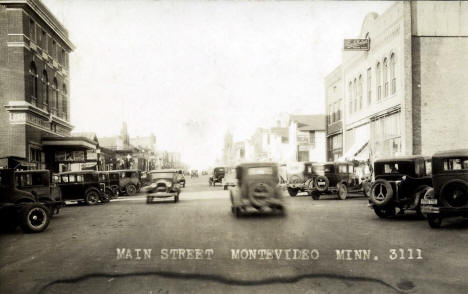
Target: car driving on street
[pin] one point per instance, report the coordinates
(163, 184)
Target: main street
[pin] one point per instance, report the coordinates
(101, 249)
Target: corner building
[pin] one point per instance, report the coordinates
(34, 87)
(407, 93)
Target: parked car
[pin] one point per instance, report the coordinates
(257, 188)
(400, 182)
(218, 175)
(194, 173)
(333, 178)
(449, 195)
(111, 179)
(299, 176)
(130, 181)
(180, 178)
(163, 184)
(83, 186)
(20, 207)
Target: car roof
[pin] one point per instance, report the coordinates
(451, 153)
(125, 170)
(408, 158)
(32, 171)
(77, 172)
(162, 171)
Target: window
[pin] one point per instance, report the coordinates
(72, 178)
(79, 178)
(333, 113)
(342, 169)
(355, 94)
(455, 164)
(260, 171)
(360, 91)
(64, 102)
(385, 77)
(32, 31)
(62, 57)
(392, 72)
(350, 97)
(65, 179)
(312, 138)
(338, 111)
(369, 86)
(44, 41)
(45, 89)
(56, 96)
(54, 50)
(385, 133)
(33, 77)
(377, 81)
(350, 169)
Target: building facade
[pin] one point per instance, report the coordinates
(334, 94)
(34, 86)
(406, 94)
(307, 138)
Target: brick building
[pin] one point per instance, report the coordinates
(34, 89)
(334, 109)
(406, 94)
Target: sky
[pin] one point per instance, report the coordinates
(188, 71)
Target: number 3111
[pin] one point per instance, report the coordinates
(407, 253)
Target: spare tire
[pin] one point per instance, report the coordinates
(381, 192)
(322, 183)
(259, 193)
(295, 179)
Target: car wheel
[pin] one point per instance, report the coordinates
(292, 192)
(385, 212)
(34, 218)
(176, 198)
(105, 198)
(342, 191)
(381, 192)
(92, 197)
(130, 189)
(315, 195)
(238, 212)
(434, 220)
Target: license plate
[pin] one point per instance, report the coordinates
(429, 201)
(321, 183)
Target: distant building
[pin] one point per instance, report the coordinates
(307, 138)
(334, 96)
(407, 94)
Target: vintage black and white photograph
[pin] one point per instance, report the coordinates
(233, 146)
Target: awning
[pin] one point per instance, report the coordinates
(79, 142)
(15, 162)
(358, 151)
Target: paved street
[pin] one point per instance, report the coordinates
(78, 252)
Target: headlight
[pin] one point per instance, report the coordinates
(403, 178)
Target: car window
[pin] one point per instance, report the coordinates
(391, 168)
(342, 169)
(455, 164)
(351, 168)
(428, 167)
(89, 178)
(329, 168)
(65, 179)
(72, 178)
(79, 178)
(260, 171)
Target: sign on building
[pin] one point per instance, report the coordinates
(356, 44)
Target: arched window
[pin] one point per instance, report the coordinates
(392, 72)
(45, 89)
(369, 86)
(64, 102)
(350, 97)
(56, 96)
(377, 81)
(385, 76)
(33, 77)
(360, 91)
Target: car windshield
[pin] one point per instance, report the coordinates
(267, 170)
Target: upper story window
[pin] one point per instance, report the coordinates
(33, 77)
(385, 76)
(32, 31)
(369, 86)
(355, 94)
(45, 88)
(54, 49)
(64, 102)
(392, 72)
(377, 81)
(350, 97)
(56, 97)
(360, 91)
(44, 40)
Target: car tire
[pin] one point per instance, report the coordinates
(238, 212)
(342, 191)
(130, 189)
(176, 198)
(420, 193)
(315, 195)
(34, 218)
(92, 197)
(385, 211)
(381, 192)
(434, 220)
(322, 179)
(293, 192)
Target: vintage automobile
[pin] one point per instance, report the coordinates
(257, 188)
(299, 176)
(21, 207)
(400, 182)
(194, 173)
(163, 184)
(217, 177)
(129, 182)
(449, 195)
(333, 178)
(83, 186)
(181, 178)
(111, 179)
(229, 180)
